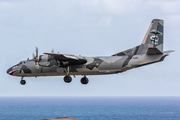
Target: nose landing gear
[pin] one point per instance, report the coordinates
(22, 82)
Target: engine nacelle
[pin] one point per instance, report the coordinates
(43, 60)
(47, 61)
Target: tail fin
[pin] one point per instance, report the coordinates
(152, 42)
(154, 35)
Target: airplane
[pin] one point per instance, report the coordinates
(55, 64)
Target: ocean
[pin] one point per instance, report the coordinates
(90, 108)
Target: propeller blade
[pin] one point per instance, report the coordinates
(36, 51)
(52, 51)
(33, 55)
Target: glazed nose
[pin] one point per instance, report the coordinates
(9, 71)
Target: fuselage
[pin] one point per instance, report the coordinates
(93, 66)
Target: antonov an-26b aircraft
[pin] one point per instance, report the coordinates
(55, 64)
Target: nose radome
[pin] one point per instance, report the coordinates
(11, 71)
(8, 71)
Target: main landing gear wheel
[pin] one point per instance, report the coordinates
(23, 82)
(84, 80)
(67, 79)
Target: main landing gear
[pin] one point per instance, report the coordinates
(84, 80)
(68, 78)
(22, 82)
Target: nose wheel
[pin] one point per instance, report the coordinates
(22, 82)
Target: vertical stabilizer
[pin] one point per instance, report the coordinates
(154, 35)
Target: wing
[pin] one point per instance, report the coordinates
(67, 60)
(62, 57)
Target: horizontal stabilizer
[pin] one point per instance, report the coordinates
(169, 51)
(153, 51)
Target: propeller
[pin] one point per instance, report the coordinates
(36, 58)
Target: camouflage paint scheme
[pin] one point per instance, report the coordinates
(54, 64)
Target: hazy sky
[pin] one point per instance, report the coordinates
(88, 28)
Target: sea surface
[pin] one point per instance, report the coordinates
(90, 108)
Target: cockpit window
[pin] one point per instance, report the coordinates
(18, 63)
(22, 62)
